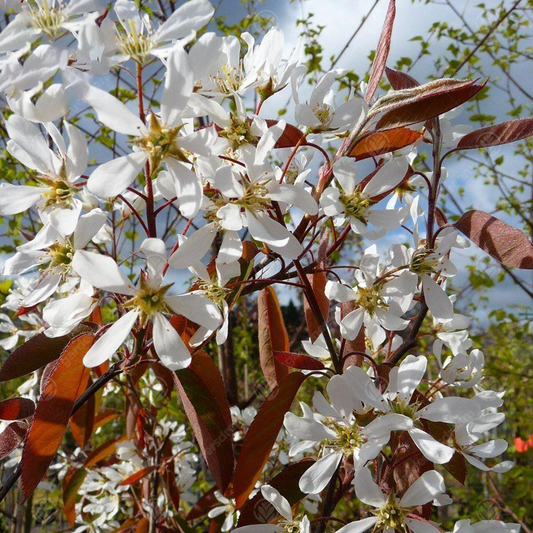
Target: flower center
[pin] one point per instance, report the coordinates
(48, 20)
(229, 80)
(149, 300)
(423, 261)
(348, 437)
(60, 192)
(391, 516)
(369, 299)
(214, 292)
(238, 133)
(356, 204)
(161, 142)
(135, 45)
(323, 113)
(61, 255)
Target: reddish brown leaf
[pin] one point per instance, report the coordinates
(143, 526)
(53, 412)
(71, 485)
(507, 132)
(506, 244)
(382, 53)
(38, 352)
(82, 422)
(383, 142)
(16, 409)
(318, 283)
(210, 424)
(272, 336)
(425, 102)
(258, 511)
(261, 436)
(400, 80)
(457, 467)
(11, 438)
(298, 360)
(290, 137)
(134, 478)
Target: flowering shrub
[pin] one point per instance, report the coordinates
(175, 171)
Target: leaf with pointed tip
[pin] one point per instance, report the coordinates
(400, 80)
(261, 436)
(382, 52)
(208, 412)
(503, 242)
(272, 336)
(504, 133)
(53, 411)
(137, 476)
(11, 438)
(16, 409)
(38, 352)
(82, 421)
(426, 101)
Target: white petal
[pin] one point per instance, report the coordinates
(410, 374)
(110, 341)
(194, 248)
(168, 345)
(436, 299)
(178, 86)
(315, 479)
(359, 526)
(44, 288)
(189, 191)
(364, 388)
(282, 506)
(306, 428)
(188, 18)
(295, 195)
(451, 410)
(18, 198)
(367, 490)
(102, 272)
(388, 177)
(196, 307)
(339, 292)
(115, 176)
(88, 226)
(417, 526)
(424, 490)
(432, 449)
(351, 324)
(230, 249)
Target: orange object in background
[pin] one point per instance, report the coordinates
(521, 445)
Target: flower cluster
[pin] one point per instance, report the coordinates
(125, 198)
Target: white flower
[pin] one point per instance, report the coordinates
(53, 253)
(356, 201)
(335, 429)
(56, 194)
(398, 398)
(394, 514)
(485, 526)
(227, 508)
(320, 114)
(148, 301)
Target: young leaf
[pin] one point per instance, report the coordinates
(11, 438)
(258, 511)
(261, 436)
(38, 352)
(53, 412)
(272, 336)
(382, 53)
(82, 422)
(318, 282)
(16, 409)
(137, 476)
(71, 485)
(400, 80)
(424, 102)
(298, 360)
(209, 422)
(506, 244)
(504, 133)
(384, 142)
